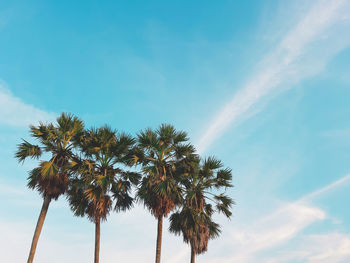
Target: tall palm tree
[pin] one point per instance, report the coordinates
(98, 180)
(194, 220)
(159, 152)
(51, 177)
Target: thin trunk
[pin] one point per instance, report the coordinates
(39, 226)
(159, 238)
(193, 255)
(97, 240)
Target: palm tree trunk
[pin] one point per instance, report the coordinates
(159, 238)
(193, 255)
(97, 240)
(39, 226)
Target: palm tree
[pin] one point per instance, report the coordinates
(51, 177)
(159, 152)
(97, 179)
(194, 220)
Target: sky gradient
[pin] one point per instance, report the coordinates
(262, 85)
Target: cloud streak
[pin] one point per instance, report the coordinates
(302, 52)
(325, 189)
(284, 225)
(14, 112)
(325, 248)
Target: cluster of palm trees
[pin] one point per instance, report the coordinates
(100, 170)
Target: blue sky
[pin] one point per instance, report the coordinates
(262, 85)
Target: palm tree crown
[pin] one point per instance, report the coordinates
(194, 220)
(51, 177)
(160, 152)
(98, 180)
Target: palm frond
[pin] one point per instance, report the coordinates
(26, 149)
(211, 163)
(48, 169)
(223, 178)
(69, 124)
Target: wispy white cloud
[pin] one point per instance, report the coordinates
(324, 248)
(283, 225)
(326, 189)
(311, 196)
(332, 247)
(271, 231)
(302, 52)
(15, 112)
